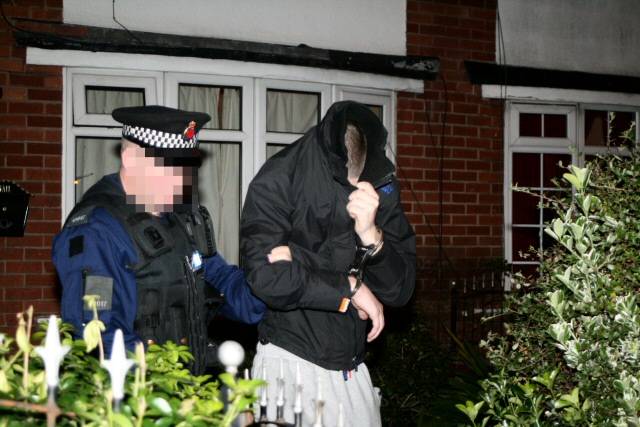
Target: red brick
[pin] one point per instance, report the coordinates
(50, 227)
(35, 188)
(12, 174)
(43, 175)
(48, 15)
(46, 201)
(45, 148)
(52, 162)
(36, 213)
(44, 121)
(24, 134)
(11, 147)
(11, 280)
(11, 253)
(22, 294)
(39, 280)
(46, 307)
(12, 120)
(26, 80)
(26, 107)
(50, 292)
(45, 95)
(11, 64)
(55, 109)
(52, 214)
(53, 135)
(28, 241)
(23, 266)
(15, 93)
(33, 161)
(52, 187)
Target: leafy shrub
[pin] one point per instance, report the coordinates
(570, 354)
(159, 391)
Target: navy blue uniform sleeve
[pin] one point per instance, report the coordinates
(99, 248)
(239, 303)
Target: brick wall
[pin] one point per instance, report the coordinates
(30, 148)
(454, 31)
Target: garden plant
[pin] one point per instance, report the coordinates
(159, 389)
(570, 355)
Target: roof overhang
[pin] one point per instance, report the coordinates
(134, 42)
(487, 73)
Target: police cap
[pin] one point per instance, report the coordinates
(163, 131)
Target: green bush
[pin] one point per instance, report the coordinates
(159, 391)
(570, 354)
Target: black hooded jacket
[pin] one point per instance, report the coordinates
(299, 199)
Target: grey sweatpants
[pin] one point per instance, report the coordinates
(360, 400)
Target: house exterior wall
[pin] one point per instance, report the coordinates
(30, 148)
(31, 130)
(472, 168)
(330, 24)
(598, 36)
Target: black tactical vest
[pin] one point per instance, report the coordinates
(174, 303)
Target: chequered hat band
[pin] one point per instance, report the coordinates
(158, 139)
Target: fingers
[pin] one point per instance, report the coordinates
(367, 187)
(362, 314)
(366, 193)
(279, 253)
(377, 325)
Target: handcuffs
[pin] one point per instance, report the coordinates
(364, 254)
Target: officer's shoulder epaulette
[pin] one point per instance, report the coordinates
(80, 217)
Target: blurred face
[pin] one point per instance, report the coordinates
(153, 186)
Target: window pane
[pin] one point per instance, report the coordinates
(595, 128)
(527, 270)
(273, 149)
(525, 208)
(526, 169)
(619, 122)
(555, 125)
(95, 157)
(552, 169)
(292, 112)
(219, 191)
(377, 110)
(530, 124)
(522, 240)
(103, 100)
(222, 103)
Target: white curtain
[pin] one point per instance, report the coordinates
(104, 101)
(291, 111)
(95, 157)
(219, 175)
(206, 99)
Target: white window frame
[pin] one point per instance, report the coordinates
(95, 125)
(161, 88)
(149, 82)
(572, 145)
(385, 98)
(262, 137)
(244, 136)
(592, 150)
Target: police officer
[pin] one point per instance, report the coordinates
(139, 242)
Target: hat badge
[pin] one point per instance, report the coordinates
(190, 131)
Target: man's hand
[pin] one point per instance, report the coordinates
(368, 307)
(362, 207)
(279, 253)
